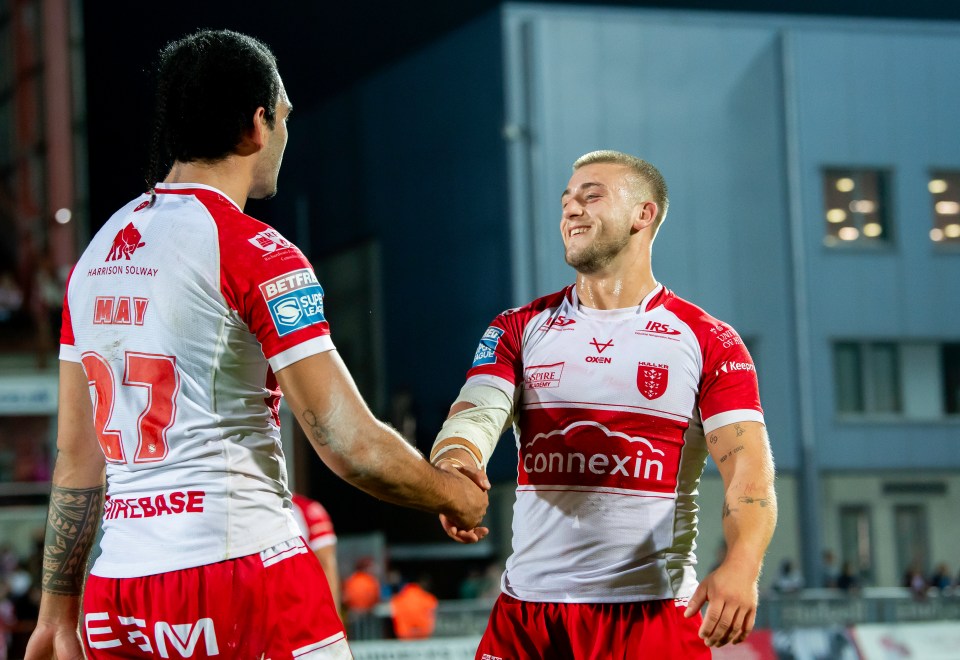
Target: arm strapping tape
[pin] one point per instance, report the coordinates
(480, 425)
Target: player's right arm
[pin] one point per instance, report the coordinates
(369, 454)
(77, 496)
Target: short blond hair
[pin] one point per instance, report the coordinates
(644, 177)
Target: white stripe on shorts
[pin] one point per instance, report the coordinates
(333, 647)
(281, 551)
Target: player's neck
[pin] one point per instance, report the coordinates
(615, 290)
(230, 176)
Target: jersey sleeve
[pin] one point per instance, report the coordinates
(729, 391)
(68, 349)
(273, 288)
(498, 358)
(319, 527)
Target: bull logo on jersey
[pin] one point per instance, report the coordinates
(125, 243)
(652, 379)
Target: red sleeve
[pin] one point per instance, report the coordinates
(273, 288)
(500, 350)
(728, 389)
(319, 525)
(67, 339)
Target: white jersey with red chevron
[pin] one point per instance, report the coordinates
(612, 408)
(314, 522)
(180, 313)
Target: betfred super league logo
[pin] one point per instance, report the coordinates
(125, 243)
(652, 379)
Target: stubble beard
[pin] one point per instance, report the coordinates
(596, 256)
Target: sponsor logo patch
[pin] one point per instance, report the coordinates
(487, 350)
(542, 375)
(652, 379)
(653, 327)
(590, 454)
(560, 323)
(295, 300)
(125, 243)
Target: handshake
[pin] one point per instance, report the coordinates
(468, 488)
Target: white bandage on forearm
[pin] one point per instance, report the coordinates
(481, 425)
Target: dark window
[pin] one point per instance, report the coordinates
(950, 358)
(867, 376)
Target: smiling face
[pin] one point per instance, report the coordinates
(597, 216)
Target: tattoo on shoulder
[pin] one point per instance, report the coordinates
(71, 525)
(713, 438)
(738, 429)
(318, 434)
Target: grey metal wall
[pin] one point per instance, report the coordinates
(878, 94)
(741, 113)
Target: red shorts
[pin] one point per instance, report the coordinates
(520, 630)
(275, 604)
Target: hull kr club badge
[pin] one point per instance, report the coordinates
(652, 379)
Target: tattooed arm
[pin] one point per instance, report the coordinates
(369, 454)
(75, 504)
(742, 452)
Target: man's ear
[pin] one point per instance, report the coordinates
(255, 137)
(644, 214)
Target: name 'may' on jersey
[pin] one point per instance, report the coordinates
(180, 312)
(612, 410)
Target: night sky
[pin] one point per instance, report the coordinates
(321, 48)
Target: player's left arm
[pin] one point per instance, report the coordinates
(742, 453)
(76, 498)
(327, 555)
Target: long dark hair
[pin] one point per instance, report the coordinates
(209, 85)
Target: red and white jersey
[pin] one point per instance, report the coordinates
(612, 408)
(180, 313)
(314, 522)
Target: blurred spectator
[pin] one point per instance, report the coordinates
(830, 572)
(7, 619)
(361, 589)
(473, 585)
(391, 585)
(317, 530)
(915, 582)
(789, 581)
(848, 580)
(11, 298)
(403, 414)
(941, 580)
(414, 611)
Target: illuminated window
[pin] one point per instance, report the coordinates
(944, 190)
(855, 207)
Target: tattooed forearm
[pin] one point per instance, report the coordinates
(726, 510)
(762, 501)
(731, 453)
(318, 434)
(71, 525)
